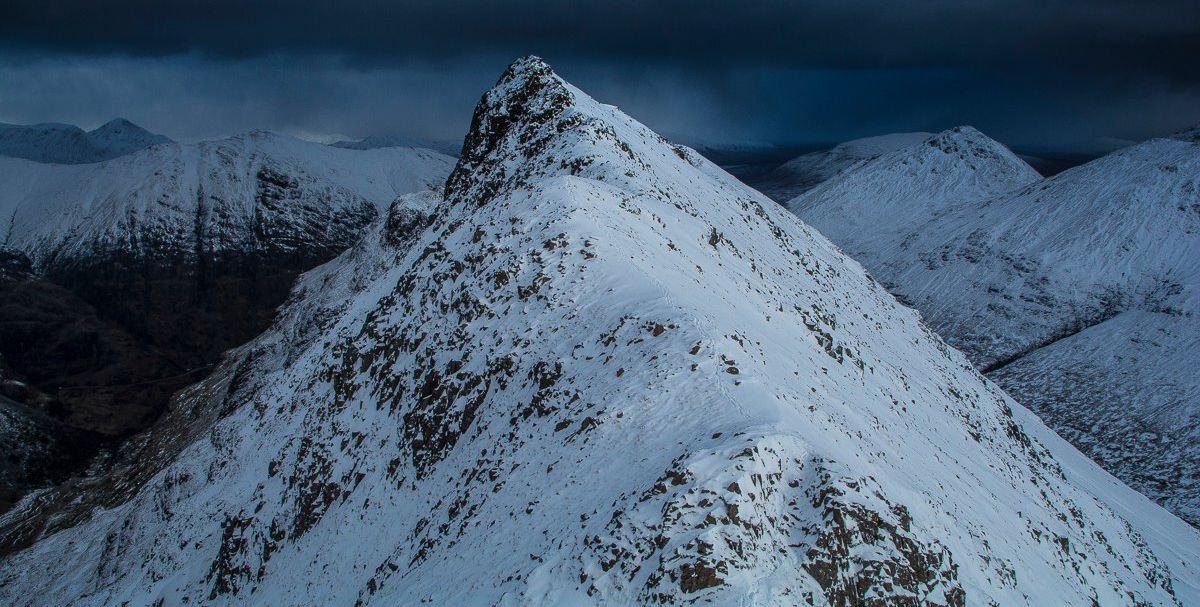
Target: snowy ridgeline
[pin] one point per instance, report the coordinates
(248, 192)
(601, 371)
(1076, 293)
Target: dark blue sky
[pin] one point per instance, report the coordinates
(1061, 74)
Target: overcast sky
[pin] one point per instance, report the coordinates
(1052, 73)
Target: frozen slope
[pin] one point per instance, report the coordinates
(604, 372)
(806, 171)
(1078, 293)
(68, 144)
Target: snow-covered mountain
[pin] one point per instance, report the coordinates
(888, 194)
(258, 191)
(804, 172)
(69, 144)
(207, 237)
(1077, 293)
(601, 372)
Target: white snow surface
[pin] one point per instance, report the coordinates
(887, 194)
(804, 172)
(607, 373)
(1077, 292)
(161, 199)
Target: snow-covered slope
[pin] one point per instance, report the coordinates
(605, 372)
(888, 194)
(1078, 292)
(249, 192)
(68, 144)
(804, 172)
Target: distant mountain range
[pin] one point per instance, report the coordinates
(68, 144)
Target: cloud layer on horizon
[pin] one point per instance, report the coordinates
(1052, 73)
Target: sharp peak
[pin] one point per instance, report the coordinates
(527, 95)
(117, 122)
(529, 64)
(534, 124)
(525, 80)
(962, 132)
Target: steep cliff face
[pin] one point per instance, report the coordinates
(600, 371)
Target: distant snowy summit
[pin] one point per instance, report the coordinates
(69, 144)
(876, 197)
(257, 191)
(178, 237)
(804, 172)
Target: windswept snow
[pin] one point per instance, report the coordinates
(603, 372)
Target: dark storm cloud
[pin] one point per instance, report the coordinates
(1153, 39)
(1054, 73)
